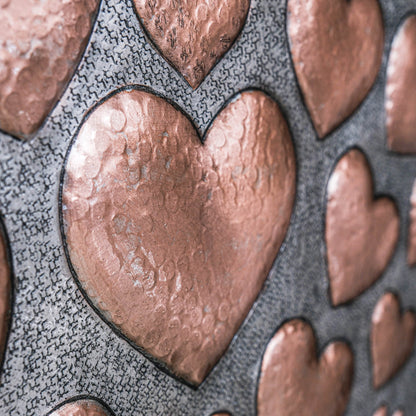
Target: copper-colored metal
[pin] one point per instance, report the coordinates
(411, 249)
(5, 295)
(81, 408)
(173, 240)
(361, 233)
(392, 338)
(294, 383)
(193, 34)
(383, 411)
(401, 90)
(41, 43)
(336, 46)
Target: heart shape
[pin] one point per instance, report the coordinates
(392, 338)
(294, 383)
(411, 249)
(336, 47)
(401, 89)
(382, 411)
(192, 35)
(41, 43)
(5, 295)
(172, 240)
(361, 233)
(81, 407)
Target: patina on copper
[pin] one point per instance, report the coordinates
(293, 382)
(383, 411)
(361, 233)
(193, 34)
(392, 338)
(5, 295)
(172, 240)
(336, 47)
(41, 43)
(81, 408)
(401, 89)
(411, 248)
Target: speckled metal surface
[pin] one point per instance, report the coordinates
(172, 240)
(41, 43)
(360, 233)
(82, 407)
(392, 338)
(59, 347)
(294, 381)
(401, 89)
(193, 34)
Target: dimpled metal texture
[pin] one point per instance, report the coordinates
(5, 295)
(401, 89)
(193, 34)
(361, 233)
(392, 338)
(293, 382)
(80, 408)
(383, 411)
(170, 239)
(41, 43)
(411, 249)
(336, 46)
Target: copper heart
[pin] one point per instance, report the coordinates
(361, 233)
(82, 407)
(336, 47)
(5, 295)
(411, 249)
(383, 411)
(401, 90)
(41, 43)
(392, 338)
(172, 240)
(294, 383)
(193, 34)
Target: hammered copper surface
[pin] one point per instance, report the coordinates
(170, 239)
(383, 411)
(5, 295)
(392, 338)
(41, 43)
(81, 408)
(411, 238)
(401, 90)
(193, 34)
(336, 46)
(361, 233)
(294, 382)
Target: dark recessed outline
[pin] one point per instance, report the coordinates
(83, 398)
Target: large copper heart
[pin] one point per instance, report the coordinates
(336, 46)
(82, 407)
(361, 233)
(172, 240)
(294, 383)
(401, 90)
(392, 338)
(193, 34)
(41, 43)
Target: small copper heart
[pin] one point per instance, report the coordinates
(411, 249)
(392, 338)
(5, 295)
(336, 46)
(193, 35)
(361, 233)
(41, 43)
(172, 240)
(401, 90)
(81, 408)
(383, 411)
(293, 382)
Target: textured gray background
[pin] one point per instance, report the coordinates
(59, 347)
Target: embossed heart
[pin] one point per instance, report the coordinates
(336, 47)
(294, 383)
(172, 240)
(41, 43)
(82, 407)
(392, 338)
(361, 233)
(193, 34)
(401, 90)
